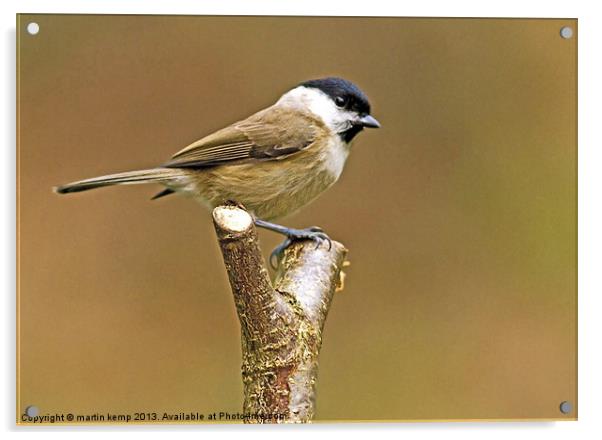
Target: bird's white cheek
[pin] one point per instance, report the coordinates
(336, 119)
(321, 105)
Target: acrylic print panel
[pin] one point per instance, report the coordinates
(459, 216)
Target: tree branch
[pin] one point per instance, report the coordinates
(281, 325)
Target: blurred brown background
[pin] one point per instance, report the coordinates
(459, 214)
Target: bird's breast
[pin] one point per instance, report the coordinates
(334, 157)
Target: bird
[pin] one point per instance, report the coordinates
(272, 163)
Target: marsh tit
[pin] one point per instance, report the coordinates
(273, 163)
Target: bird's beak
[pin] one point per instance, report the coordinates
(369, 122)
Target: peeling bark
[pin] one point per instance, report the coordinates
(281, 324)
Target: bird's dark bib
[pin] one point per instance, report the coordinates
(349, 134)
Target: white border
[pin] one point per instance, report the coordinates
(590, 213)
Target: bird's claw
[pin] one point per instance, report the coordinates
(277, 252)
(314, 233)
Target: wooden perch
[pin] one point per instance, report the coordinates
(281, 324)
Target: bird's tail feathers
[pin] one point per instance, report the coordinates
(154, 175)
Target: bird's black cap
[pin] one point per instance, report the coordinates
(354, 98)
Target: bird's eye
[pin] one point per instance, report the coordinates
(340, 101)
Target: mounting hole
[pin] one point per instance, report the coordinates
(566, 32)
(566, 407)
(33, 28)
(32, 411)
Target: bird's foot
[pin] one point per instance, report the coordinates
(312, 233)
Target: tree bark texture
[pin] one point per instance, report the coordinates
(281, 323)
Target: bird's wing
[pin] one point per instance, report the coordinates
(271, 134)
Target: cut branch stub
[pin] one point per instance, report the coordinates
(281, 325)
